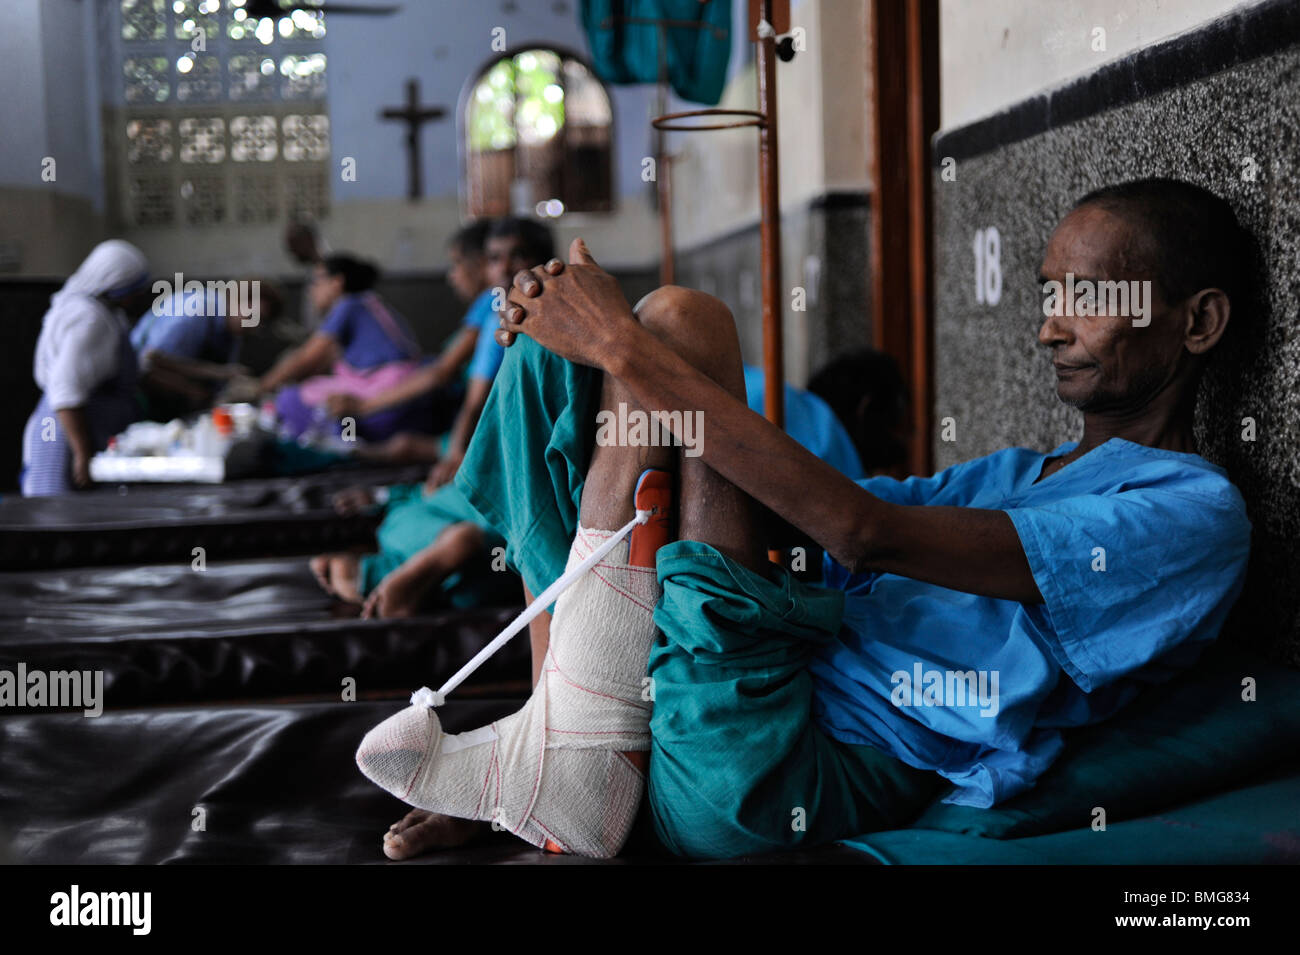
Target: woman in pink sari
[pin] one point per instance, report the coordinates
(363, 347)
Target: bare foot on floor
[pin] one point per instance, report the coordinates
(397, 595)
(420, 831)
(339, 575)
(320, 569)
(345, 577)
(353, 500)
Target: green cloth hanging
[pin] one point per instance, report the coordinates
(629, 52)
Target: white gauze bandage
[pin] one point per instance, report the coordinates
(552, 771)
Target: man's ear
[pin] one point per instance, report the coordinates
(1208, 312)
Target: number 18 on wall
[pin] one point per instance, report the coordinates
(988, 266)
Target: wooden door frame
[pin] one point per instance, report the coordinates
(903, 39)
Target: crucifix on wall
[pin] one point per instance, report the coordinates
(415, 116)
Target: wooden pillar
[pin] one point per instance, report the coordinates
(904, 43)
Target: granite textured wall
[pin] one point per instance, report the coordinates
(824, 252)
(1235, 132)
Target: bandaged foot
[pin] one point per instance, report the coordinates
(554, 773)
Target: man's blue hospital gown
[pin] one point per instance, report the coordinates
(1139, 554)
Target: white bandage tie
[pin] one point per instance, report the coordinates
(427, 697)
(554, 771)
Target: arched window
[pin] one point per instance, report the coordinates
(537, 129)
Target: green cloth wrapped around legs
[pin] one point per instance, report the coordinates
(527, 461)
(737, 765)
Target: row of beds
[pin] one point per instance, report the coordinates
(235, 697)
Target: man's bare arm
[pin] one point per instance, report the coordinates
(476, 397)
(77, 433)
(160, 377)
(967, 549)
(192, 367)
(462, 431)
(458, 352)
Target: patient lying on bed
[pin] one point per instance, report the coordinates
(964, 619)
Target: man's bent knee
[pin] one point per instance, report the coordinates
(697, 326)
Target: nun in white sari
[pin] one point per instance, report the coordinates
(86, 368)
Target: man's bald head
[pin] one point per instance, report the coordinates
(1178, 240)
(1190, 237)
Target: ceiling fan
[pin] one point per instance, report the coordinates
(256, 9)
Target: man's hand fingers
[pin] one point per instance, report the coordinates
(579, 254)
(517, 296)
(527, 283)
(511, 322)
(554, 267)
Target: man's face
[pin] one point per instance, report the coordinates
(505, 257)
(1104, 363)
(466, 275)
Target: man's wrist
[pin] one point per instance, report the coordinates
(617, 355)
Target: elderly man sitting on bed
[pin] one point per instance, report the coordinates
(964, 619)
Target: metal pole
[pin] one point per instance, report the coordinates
(770, 227)
(664, 186)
